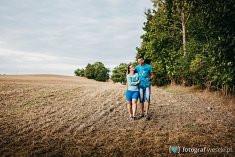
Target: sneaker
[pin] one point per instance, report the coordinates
(141, 116)
(135, 118)
(147, 117)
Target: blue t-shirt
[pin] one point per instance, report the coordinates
(144, 73)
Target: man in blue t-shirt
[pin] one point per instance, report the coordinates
(145, 72)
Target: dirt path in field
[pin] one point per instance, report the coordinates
(50, 115)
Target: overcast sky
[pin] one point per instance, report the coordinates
(58, 36)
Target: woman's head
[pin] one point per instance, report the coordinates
(130, 68)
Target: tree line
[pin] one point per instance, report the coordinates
(188, 42)
(191, 42)
(96, 71)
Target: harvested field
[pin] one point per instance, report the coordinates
(53, 115)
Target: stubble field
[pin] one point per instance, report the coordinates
(53, 115)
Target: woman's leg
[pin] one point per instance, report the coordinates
(135, 97)
(134, 103)
(129, 107)
(128, 98)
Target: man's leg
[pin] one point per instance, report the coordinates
(148, 92)
(141, 104)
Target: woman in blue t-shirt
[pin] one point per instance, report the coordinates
(132, 93)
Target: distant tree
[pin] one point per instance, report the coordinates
(119, 73)
(82, 72)
(96, 71)
(79, 72)
(90, 71)
(101, 73)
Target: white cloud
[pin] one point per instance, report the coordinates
(69, 32)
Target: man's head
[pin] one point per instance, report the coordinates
(141, 60)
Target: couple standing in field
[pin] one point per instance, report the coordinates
(138, 87)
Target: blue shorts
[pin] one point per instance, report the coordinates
(145, 94)
(130, 95)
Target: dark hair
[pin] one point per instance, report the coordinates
(140, 57)
(128, 68)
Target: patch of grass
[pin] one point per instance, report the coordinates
(67, 93)
(28, 104)
(174, 91)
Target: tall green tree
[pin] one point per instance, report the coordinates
(217, 34)
(191, 42)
